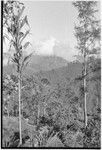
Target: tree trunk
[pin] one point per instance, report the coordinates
(8, 109)
(8, 112)
(85, 94)
(44, 108)
(38, 110)
(19, 93)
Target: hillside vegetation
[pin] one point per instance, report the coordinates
(51, 106)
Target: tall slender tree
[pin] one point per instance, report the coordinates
(87, 33)
(13, 23)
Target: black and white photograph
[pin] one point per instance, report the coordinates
(50, 74)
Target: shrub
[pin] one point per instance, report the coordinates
(92, 133)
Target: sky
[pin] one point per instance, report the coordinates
(52, 28)
(51, 18)
(52, 24)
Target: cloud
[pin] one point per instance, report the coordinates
(64, 50)
(46, 47)
(52, 46)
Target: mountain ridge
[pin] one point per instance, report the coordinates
(39, 63)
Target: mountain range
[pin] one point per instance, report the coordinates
(39, 63)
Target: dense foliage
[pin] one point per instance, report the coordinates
(51, 109)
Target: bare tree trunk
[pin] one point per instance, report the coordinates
(38, 113)
(85, 94)
(44, 108)
(8, 112)
(38, 110)
(19, 93)
(8, 109)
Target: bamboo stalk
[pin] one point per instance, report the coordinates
(19, 93)
(85, 94)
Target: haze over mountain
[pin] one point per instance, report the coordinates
(39, 63)
(52, 46)
(47, 47)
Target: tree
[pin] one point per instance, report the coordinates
(87, 33)
(13, 23)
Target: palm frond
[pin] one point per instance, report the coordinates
(26, 45)
(27, 57)
(27, 32)
(25, 61)
(21, 34)
(24, 21)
